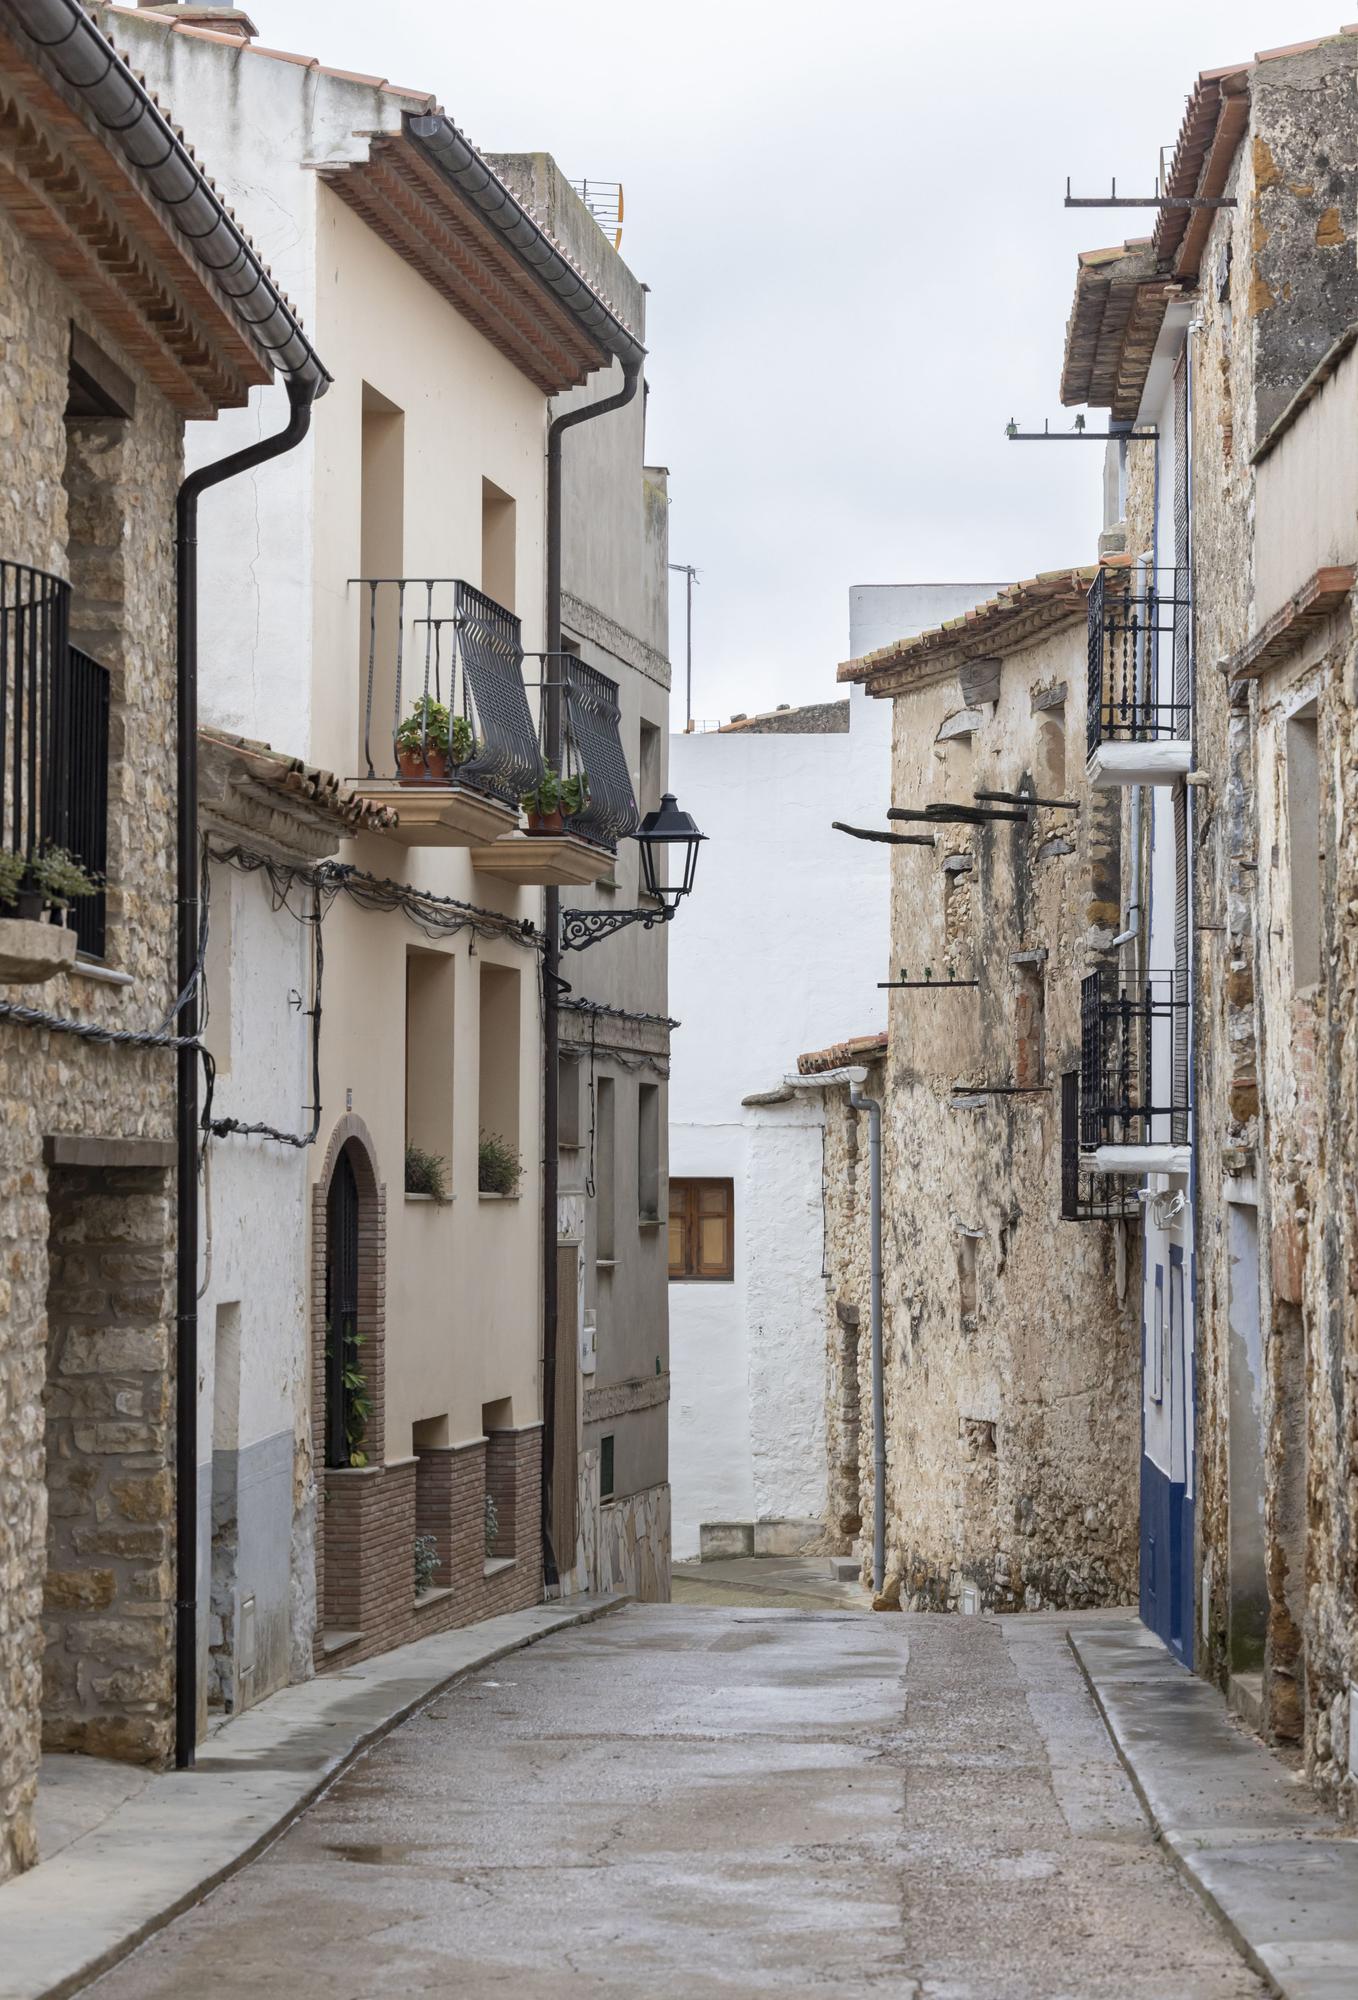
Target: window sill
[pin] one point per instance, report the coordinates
(497, 1565)
(482, 1195)
(651, 1221)
(428, 1597)
(335, 1640)
(606, 1263)
(692, 1278)
(103, 975)
(434, 1200)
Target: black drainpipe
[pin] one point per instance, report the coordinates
(551, 964)
(302, 392)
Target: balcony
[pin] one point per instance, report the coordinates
(1139, 716)
(573, 849)
(448, 736)
(54, 709)
(1133, 1087)
(1086, 1194)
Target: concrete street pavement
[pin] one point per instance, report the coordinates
(699, 1802)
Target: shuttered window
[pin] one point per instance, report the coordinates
(702, 1229)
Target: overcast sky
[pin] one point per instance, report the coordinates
(850, 220)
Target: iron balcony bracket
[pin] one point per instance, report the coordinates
(582, 928)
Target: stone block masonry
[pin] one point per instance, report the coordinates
(108, 1601)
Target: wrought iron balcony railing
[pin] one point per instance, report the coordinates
(1086, 1194)
(1138, 657)
(1133, 1060)
(444, 661)
(54, 710)
(591, 748)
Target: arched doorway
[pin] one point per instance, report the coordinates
(345, 1404)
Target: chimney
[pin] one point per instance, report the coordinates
(200, 14)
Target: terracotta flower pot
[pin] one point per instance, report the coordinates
(414, 771)
(549, 822)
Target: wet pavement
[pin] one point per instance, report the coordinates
(684, 1801)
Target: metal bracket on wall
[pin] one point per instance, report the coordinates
(582, 928)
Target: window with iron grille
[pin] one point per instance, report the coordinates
(54, 715)
(1137, 640)
(1133, 1090)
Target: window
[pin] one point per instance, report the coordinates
(497, 544)
(648, 1152)
(1303, 841)
(648, 771)
(500, 1029)
(702, 1229)
(430, 978)
(567, 1102)
(605, 1158)
(606, 1467)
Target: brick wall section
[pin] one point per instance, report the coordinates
(373, 1514)
(108, 1608)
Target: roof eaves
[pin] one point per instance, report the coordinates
(1016, 617)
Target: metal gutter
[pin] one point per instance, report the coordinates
(458, 161)
(134, 126)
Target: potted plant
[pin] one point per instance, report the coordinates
(430, 742)
(554, 800)
(426, 1173)
(499, 1169)
(51, 879)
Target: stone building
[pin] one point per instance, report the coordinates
(1010, 1367)
(388, 1338)
(116, 332)
(1225, 341)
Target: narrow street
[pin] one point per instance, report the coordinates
(696, 1802)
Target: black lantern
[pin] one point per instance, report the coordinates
(668, 827)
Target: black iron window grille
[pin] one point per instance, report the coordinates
(54, 711)
(1086, 1194)
(1133, 1089)
(446, 661)
(1138, 657)
(591, 749)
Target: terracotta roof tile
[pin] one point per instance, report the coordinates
(858, 1050)
(1016, 616)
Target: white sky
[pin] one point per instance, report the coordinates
(850, 220)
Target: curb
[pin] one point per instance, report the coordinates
(48, 1924)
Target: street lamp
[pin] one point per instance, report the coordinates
(669, 826)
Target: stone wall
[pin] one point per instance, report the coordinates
(118, 490)
(108, 1598)
(1274, 1056)
(1011, 1354)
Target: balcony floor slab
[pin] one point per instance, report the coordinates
(1115, 764)
(545, 860)
(439, 815)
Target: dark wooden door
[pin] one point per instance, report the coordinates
(341, 1304)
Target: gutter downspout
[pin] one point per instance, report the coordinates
(874, 1110)
(551, 963)
(302, 392)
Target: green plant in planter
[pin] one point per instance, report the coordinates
(426, 1173)
(426, 1562)
(13, 868)
(499, 1169)
(429, 727)
(553, 793)
(52, 875)
(357, 1402)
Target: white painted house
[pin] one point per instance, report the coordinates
(779, 950)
